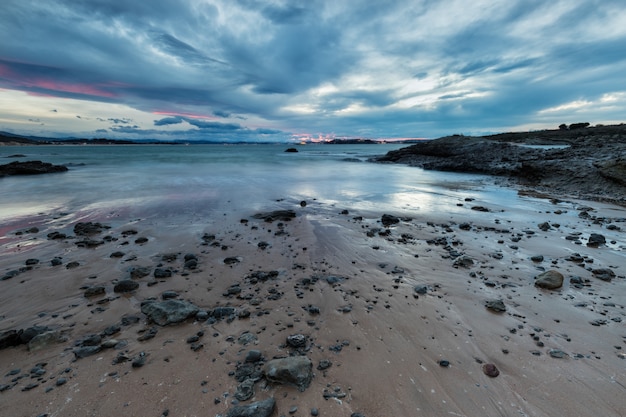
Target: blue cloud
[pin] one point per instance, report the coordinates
(404, 68)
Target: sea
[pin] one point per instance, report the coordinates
(206, 181)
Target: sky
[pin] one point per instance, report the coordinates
(290, 70)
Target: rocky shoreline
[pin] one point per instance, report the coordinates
(588, 163)
(312, 310)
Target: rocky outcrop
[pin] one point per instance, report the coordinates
(587, 165)
(30, 168)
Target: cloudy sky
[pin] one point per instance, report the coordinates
(288, 69)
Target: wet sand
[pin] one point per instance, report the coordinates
(387, 343)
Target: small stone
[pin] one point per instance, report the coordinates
(537, 258)
(555, 353)
(444, 363)
(126, 285)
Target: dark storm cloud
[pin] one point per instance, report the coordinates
(406, 68)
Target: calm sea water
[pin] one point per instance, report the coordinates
(205, 180)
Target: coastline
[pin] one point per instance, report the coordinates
(392, 304)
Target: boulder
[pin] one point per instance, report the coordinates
(549, 280)
(168, 311)
(388, 220)
(126, 285)
(294, 370)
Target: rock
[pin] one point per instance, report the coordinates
(137, 272)
(168, 295)
(282, 215)
(168, 311)
(556, 353)
(463, 261)
(421, 289)
(95, 290)
(495, 305)
(444, 363)
(605, 274)
(10, 338)
(43, 340)
(84, 351)
(89, 228)
(30, 168)
(294, 370)
(291, 150)
(245, 390)
(223, 312)
(160, 273)
(549, 280)
(595, 240)
(388, 220)
(537, 258)
(296, 341)
(490, 370)
(254, 356)
(263, 408)
(31, 332)
(126, 285)
(545, 226)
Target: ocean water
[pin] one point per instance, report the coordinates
(208, 180)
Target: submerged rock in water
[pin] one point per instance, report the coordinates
(30, 168)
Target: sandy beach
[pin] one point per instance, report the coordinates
(392, 316)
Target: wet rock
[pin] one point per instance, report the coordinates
(43, 340)
(463, 261)
(137, 272)
(294, 370)
(296, 341)
(549, 280)
(545, 226)
(421, 289)
(223, 312)
(537, 258)
(444, 363)
(160, 273)
(556, 353)
(231, 260)
(490, 370)
(389, 220)
(10, 338)
(168, 311)
(605, 274)
(245, 390)
(254, 356)
(281, 215)
(85, 351)
(126, 285)
(263, 408)
(89, 228)
(495, 305)
(30, 168)
(95, 290)
(596, 240)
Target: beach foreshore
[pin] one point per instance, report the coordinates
(399, 313)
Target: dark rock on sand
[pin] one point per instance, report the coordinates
(495, 305)
(291, 150)
(30, 168)
(263, 408)
(549, 280)
(126, 285)
(160, 273)
(168, 311)
(490, 370)
(94, 291)
(596, 240)
(294, 370)
(605, 274)
(89, 228)
(388, 220)
(282, 215)
(85, 351)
